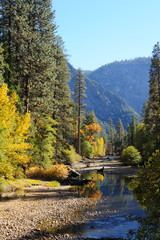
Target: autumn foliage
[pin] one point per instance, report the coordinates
(91, 189)
(90, 131)
(14, 131)
(56, 172)
(90, 134)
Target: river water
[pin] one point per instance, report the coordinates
(115, 202)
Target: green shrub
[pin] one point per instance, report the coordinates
(87, 149)
(70, 155)
(131, 155)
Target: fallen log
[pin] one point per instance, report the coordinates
(73, 173)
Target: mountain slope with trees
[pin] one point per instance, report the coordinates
(104, 103)
(128, 79)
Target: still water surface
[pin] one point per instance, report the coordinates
(115, 202)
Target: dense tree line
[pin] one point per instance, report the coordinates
(118, 137)
(34, 82)
(140, 146)
(141, 138)
(146, 141)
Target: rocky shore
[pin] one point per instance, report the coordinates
(23, 218)
(50, 208)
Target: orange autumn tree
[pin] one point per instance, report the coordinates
(91, 131)
(90, 134)
(14, 131)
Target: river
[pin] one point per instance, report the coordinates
(114, 201)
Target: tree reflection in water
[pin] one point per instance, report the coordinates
(147, 191)
(92, 189)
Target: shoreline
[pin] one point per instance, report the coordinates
(21, 218)
(111, 166)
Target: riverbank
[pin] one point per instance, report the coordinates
(46, 207)
(112, 165)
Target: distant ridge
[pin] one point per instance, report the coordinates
(104, 103)
(128, 78)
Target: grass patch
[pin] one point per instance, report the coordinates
(16, 187)
(13, 185)
(53, 184)
(33, 182)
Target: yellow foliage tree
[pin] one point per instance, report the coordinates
(100, 147)
(14, 131)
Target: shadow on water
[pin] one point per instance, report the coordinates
(114, 203)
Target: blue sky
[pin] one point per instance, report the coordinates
(97, 32)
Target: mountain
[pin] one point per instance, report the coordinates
(128, 79)
(104, 103)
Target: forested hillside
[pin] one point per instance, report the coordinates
(129, 79)
(39, 120)
(105, 103)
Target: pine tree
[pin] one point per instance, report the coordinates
(28, 34)
(6, 10)
(111, 135)
(44, 142)
(120, 130)
(133, 126)
(154, 92)
(62, 102)
(145, 112)
(1, 65)
(120, 134)
(90, 118)
(79, 96)
(128, 134)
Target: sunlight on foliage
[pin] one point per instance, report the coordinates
(92, 146)
(56, 172)
(90, 131)
(53, 184)
(131, 155)
(100, 147)
(14, 131)
(87, 149)
(71, 156)
(44, 141)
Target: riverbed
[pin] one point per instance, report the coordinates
(23, 218)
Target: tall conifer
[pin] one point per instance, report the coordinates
(90, 118)
(28, 34)
(1, 65)
(62, 102)
(120, 133)
(154, 93)
(79, 96)
(111, 135)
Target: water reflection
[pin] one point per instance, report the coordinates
(92, 189)
(148, 199)
(116, 202)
